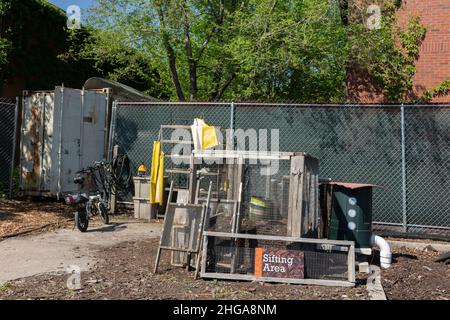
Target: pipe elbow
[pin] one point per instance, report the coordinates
(385, 250)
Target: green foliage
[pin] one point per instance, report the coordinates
(289, 50)
(442, 89)
(106, 52)
(210, 50)
(219, 49)
(36, 34)
(5, 44)
(5, 47)
(396, 72)
(388, 54)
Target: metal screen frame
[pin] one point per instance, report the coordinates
(331, 243)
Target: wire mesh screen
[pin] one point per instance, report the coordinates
(257, 200)
(137, 125)
(7, 142)
(181, 227)
(353, 144)
(356, 144)
(263, 205)
(427, 149)
(275, 259)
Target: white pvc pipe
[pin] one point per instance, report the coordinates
(385, 250)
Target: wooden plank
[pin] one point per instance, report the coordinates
(158, 255)
(204, 220)
(236, 227)
(177, 249)
(228, 154)
(178, 142)
(351, 264)
(305, 218)
(321, 282)
(179, 171)
(175, 189)
(192, 180)
(225, 201)
(204, 253)
(185, 205)
(178, 156)
(278, 238)
(175, 127)
(295, 197)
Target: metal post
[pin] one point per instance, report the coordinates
(13, 156)
(232, 125)
(60, 125)
(81, 153)
(112, 128)
(113, 195)
(21, 133)
(404, 208)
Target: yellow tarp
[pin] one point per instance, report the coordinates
(155, 161)
(157, 175)
(209, 137)
(204, 136)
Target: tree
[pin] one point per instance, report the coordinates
(385, 55)
(217, 49)
(256, 49)
(5, 44)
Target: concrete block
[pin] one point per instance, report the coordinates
(363, 267)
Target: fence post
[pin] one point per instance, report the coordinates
(232, 115)
(113, 195)
(112, 129)
(404, 205)
(13, 156)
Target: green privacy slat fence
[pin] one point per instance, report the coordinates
(356, 143)
(8, 112)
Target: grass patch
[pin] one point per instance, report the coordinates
(5, 286)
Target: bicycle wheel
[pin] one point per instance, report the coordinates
(81, 220)
(103, 210)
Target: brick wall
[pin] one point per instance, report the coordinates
(433, 66)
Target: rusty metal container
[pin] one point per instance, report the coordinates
(63, 131)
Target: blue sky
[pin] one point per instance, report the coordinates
(63, 4)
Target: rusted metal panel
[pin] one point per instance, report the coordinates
(33, 147)
(63, 131)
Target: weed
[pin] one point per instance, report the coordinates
(5, 286)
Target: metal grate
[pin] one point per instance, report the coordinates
(278, 259)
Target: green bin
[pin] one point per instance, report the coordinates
(347, 212)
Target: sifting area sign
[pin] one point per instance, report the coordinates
(279, 263)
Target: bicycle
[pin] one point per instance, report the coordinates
(86, 205)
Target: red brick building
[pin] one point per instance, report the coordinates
(433, 66)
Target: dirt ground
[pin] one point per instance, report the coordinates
(18, 216)
(415, 276)
(124, 272)
(121, 268)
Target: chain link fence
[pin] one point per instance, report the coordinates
(403, 149)
(8, 128)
